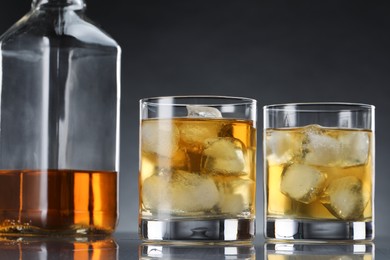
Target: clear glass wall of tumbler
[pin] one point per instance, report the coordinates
(59, 119)
(197, 169)
(319, 171)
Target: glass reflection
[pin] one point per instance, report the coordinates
(185, 252)
(319, 251)
(44, 248)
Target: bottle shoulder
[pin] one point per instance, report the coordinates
(57, 26)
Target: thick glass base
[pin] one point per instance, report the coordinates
(299, 229)
(191, 230)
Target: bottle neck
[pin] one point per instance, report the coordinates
(74, 4)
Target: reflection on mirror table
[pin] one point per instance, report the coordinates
(128, 246)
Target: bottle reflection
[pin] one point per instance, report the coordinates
(319, 251)
(44, 248)
(187, 252)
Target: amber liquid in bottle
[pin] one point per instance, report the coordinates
(58, 201)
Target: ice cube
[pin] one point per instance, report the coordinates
(236, 195)
(194, 133)
(223, 155)
(179, 192)
(160, 137)
(178, 160)
(202, 111)
(321, 149)
(354, 148)
(348, 149)
(345, 198)
(302, 183)
(231, 204)
(281, 147)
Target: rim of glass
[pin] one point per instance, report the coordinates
(233, 100)
(320, 107)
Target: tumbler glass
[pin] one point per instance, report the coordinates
(197, 176)
(319, 171)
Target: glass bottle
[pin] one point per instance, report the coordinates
(59, 123)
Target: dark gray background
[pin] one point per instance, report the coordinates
(273, 51)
